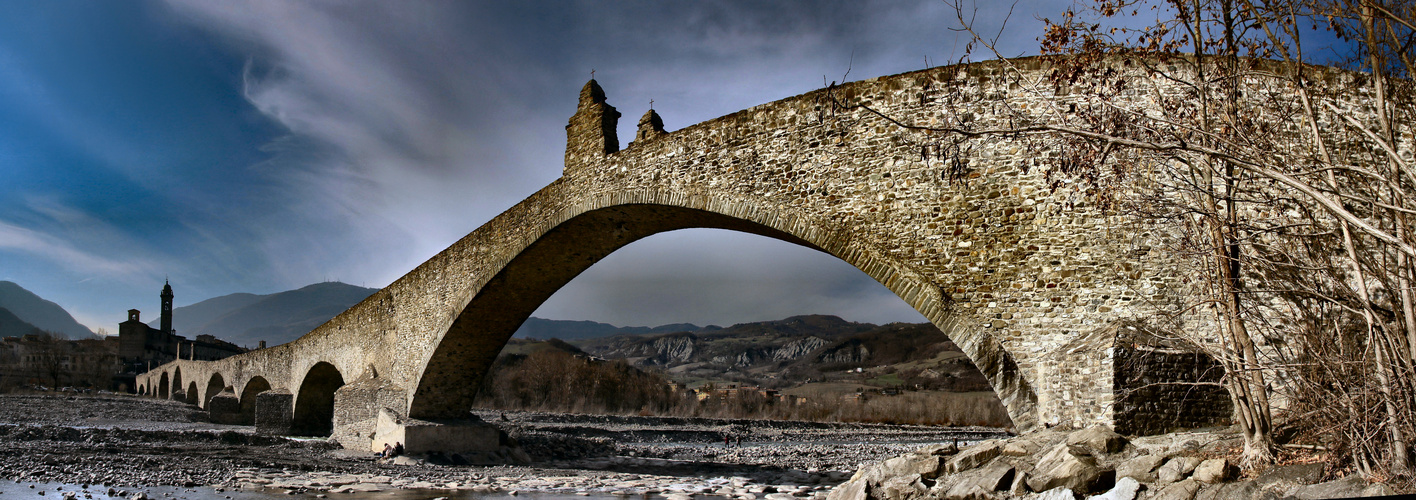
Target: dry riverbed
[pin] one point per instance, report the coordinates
(130, 443)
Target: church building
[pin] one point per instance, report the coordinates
(142, 347)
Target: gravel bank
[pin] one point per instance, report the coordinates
(130, 442)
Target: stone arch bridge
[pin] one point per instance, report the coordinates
(1033, 293)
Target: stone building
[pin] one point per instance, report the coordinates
(141, 347)
(43, 360)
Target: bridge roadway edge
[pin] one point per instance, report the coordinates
(1010, 271)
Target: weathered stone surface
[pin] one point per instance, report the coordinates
(1058, 493)
(1286, 477)
(274, 412)
(1177, 468)
(420, 436)
(983, 483)
(1013, 271)
(974, 456)
(1142, 468)
(1097, 440)
(927, 467)
(225, 408)
(1183, 490)
(1215, 470)
(1126, 489)
(906, 487)
(1228, 491)
(1079, 474)
(1347, 487)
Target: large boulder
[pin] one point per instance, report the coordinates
(1126, 489)
(927, 467)
(1347, 487)
(984, 483)
(1096, 440)
(1283, 478)
(975, 456)
(1177, 468)
(1215, 470)
(1183, 490)
(1061, 468)
(1142, 468)
(907, 487)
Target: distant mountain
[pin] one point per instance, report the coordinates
(13, 326)
(41, 313)
(800, 350)
(538, 328)
(246, 319)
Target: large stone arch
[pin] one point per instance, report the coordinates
(163, 387)
(213, 387)
(597, 227)
(254, 387)
(314, 403)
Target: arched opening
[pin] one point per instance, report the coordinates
(448, 381)
(176, 381)
(314, 405)
(142, 390)
(162, 386)
(214, 387)
(253, 388)
(192, 396)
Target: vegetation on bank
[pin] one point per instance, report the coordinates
(560, 379)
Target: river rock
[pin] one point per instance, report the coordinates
(1061, 468)
(1097, 440)
(982, 483)
(1347, 487)
(1214, 470)
(853, 490)
(1058, 493)
(1177, 468)
(1141, 468)
(1126, 489)
(1281, 479)
(1183, 490)
(906, 487)
(974, 456)
(927, 466)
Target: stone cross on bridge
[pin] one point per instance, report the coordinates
(1035, 290)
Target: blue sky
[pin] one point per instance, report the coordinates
(263, 146)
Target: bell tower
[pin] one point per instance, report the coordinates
(166, 307)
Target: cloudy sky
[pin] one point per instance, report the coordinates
(237, 146)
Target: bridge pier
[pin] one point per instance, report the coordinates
(225, 408)
(357, 407)
(275, 412)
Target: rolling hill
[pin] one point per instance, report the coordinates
(41, 313)
(246, 319)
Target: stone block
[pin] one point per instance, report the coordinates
(225, 408)
(928, 467)
(1097, 439)
(1286, 477)
(357, 406)
(179, 396)
(1215, 470)
(275, 412)
(1183, 490)
(1142, 468)
(1177, 468)
(1347, 487)
(1126, 489)
(421, 436)
(982, 483)
(1079, 474)
(975, 456)
(905, 487)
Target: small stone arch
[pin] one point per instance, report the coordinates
(191, 393)
(314, 404)
(141, 390)
(162, 387)
(253, 388)
(214, 387)
(176, 381)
